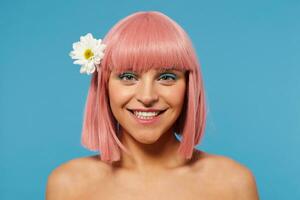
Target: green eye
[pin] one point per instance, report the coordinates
(168, 76)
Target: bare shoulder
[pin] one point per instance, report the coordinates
(225, 164)
(225, 171)
(70, 179)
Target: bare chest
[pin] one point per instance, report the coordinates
(159, 187)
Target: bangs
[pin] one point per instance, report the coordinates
(148, 42)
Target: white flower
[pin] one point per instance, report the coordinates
(88, 53)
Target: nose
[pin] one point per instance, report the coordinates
(146, 93)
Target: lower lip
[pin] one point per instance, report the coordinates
(146, 121)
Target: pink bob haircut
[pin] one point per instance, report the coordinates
(140, 42)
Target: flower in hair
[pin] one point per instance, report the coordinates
(88, 53)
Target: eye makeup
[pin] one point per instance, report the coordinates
(127, 75)
(165, 75)
(168, 76)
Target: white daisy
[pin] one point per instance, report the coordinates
(88, 53)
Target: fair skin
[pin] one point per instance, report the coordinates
(154, 170)
(153, 145)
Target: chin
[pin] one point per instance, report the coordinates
(147, 138)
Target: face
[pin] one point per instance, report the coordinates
(147, 105)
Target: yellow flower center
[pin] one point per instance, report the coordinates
(88, 54)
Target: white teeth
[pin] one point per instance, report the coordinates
(145, 115)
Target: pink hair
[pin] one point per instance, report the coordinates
(139, 42)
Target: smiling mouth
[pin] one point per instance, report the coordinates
(146, 118)
(136, 113)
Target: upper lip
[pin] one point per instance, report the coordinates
(147, 110)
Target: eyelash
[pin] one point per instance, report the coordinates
(122, 75)
(168, 75)
(130, 75)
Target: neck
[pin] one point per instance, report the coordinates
(159, 156)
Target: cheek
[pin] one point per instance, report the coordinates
(118, 96)
(175, 95)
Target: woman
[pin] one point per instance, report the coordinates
(146, 90)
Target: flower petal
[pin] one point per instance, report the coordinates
(79, 48)
(83, 69)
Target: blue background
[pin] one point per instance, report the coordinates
(249, 51)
